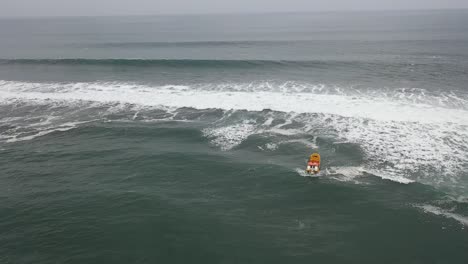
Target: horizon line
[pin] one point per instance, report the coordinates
(235, 13)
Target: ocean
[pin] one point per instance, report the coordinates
(184, 138)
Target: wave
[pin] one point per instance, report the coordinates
(228, 63)
(222, 43)
(433, 74)
(401, 140)
(445, 213)
(233, 96)
(165, 62)
(196, 44)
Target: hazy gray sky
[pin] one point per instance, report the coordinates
(146, 7)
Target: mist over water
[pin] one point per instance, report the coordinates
(183, 138)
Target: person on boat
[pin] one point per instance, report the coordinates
(313, 165)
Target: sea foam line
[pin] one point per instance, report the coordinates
(376, 108)
(44, 131)
(439, 211)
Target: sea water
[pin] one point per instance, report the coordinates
(182, 139)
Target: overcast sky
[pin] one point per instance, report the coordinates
(10, 8)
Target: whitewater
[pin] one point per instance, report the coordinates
(413, 136)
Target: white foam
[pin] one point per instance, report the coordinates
(303, 173)
(411, 129)
(271, 146)
(305, 142)
(285, 132)
(39, 134)
(268, 121)
(44, 131)
(345, 173)
(228, 137)
(275, 145)
(437, 150)
(439, 211)
(351, 173)
(376, 108)
(394, 176)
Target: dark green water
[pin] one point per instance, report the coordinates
(183, 139)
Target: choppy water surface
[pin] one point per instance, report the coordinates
(182, 139)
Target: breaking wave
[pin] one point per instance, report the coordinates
(405, 135)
